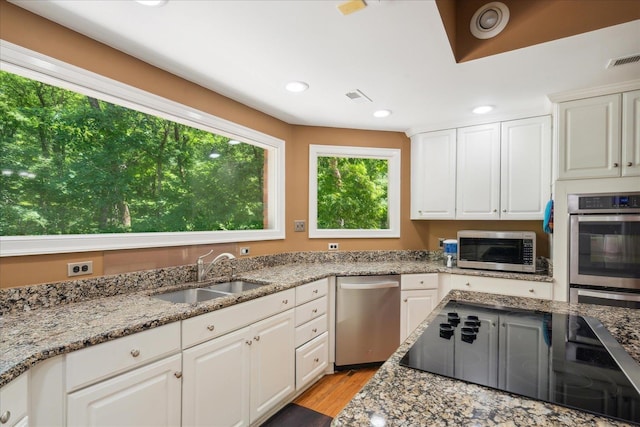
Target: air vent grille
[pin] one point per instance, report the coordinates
(624, 60)
(357, 95)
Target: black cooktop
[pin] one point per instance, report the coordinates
(559, 358)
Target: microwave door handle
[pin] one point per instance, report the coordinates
(372, 285)
(609, 295)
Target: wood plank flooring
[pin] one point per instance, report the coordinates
(332, 393)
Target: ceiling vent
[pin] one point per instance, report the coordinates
(357, 95)
(624, 60)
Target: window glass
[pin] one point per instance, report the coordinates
(82, 156)
(354, 192)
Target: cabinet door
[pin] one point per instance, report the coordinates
(631, 133)
(13, 402)
(525, 178)
(589, 138)
(524, 352)
(215, 388)
(147, 396)
(433, 175)
(415, 307)
(478, 173)
(272, 362)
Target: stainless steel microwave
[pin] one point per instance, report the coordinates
(497, 250)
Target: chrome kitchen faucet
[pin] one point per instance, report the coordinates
(202, 270)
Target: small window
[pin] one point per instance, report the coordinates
(354, 192)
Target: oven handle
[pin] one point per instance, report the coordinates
(609, 295)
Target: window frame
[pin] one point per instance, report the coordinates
(30, 64)
(392, 155)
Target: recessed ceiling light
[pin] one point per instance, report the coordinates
(234, 142)
(489, 20)
(152, 3)
(382, 113)
(296, 86)
(483, 109)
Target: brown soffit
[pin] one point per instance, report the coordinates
(531, 22)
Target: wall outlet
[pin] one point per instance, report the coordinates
(298, 225)
(440, 241)
(79, 268)
(244, 251)
(334, 246)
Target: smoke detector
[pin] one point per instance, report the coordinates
(489, 20)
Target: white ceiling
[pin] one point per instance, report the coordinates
(395, 51)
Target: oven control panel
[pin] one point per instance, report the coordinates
(604, 203)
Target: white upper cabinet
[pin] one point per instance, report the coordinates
(631, 133)
(492, 171)
(478, 172)
(525, 178)
(433, 175)
(589, 138)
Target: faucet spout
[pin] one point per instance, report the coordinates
(204, 270)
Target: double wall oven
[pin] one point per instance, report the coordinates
(604, 250)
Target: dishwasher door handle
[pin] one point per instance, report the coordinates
(370, 285)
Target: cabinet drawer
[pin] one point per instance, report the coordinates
(311, 360)
(311, 310)
(104, 360)
(511, 287)
(13, 400)
(311, 291)
(419, 281)
(310, 330)
(202, 328)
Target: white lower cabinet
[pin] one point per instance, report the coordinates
(311, 360)
(14, 398)
(235, 379)
(146, 396)
(418, 296)
(511, 287)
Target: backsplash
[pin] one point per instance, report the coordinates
(45, 295)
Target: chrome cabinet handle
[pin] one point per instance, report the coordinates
(629, 164)
(315, 291)
(314, 330)
(248, 342)
(615, 165)
(495, 210)
(135, 353)
(257, 338)
(177, 374)
(405, 300)
(422, 282)
(285, 301)
(315, 310)
(467, 284)
(316, 360)
(531, 290)
(211, 327)
(504, 210)
(4, 418)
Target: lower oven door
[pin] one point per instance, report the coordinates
(605, 251)
(609, 297)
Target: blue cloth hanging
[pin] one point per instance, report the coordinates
(547, 224)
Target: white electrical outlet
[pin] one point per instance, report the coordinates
(79, 268)
(298, 225)
(334, 246)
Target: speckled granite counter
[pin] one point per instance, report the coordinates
(399, 396)
(30, 336)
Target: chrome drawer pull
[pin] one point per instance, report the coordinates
(257, 338)
(285, 301)
(4, 418)
(248, 342)
(531, 290)
(316, 360)
(178, 374)
(314, 330)
(135, 353)
(211, 327)
(315, 310)
(315, 291)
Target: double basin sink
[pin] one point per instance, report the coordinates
(218, 290)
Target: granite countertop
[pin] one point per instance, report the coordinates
(29, 337)
(400, 396)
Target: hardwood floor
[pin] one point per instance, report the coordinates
(332, 393)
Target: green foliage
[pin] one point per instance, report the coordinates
(352, 193)
(77, 165)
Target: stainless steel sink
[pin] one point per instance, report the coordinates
(190, 296)
(234, 287)
(218, 290)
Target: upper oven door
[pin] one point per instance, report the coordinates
(605, 250)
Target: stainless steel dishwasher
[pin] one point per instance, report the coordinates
(367, 319)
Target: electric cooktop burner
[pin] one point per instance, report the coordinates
(559, 358)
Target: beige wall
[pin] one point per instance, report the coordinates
(23, 28)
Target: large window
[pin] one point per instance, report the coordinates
(79, 161)
(354, 192)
